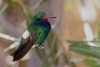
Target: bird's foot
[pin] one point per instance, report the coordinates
(41, 47)
(38, 46)
(35, 46)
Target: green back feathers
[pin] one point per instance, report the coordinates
(39, 15)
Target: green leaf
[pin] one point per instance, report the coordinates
(85, 49)
(19, 6)
(92, 63)
(41, 53)
(52, 45)
(96, 41)
(40, 2)
(99, 31)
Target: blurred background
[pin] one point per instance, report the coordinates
(74, 40)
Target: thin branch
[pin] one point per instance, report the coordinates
(87, 28)
(8, 37)
(0, 3)
(56, 23)
(40, 2)
(13, 45)
(25, 10)
(3, 8)
(64, 47)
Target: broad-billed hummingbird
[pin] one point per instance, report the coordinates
(35, 35)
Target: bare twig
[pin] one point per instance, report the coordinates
(40, 2)
(63, 45)
(3, 8)
(13, 45)
(87, 29)
(56, 23)
(8, 37)
(0, 3)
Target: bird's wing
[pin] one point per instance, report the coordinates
(27, 42)
(41, 38)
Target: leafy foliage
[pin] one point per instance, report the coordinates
(85, 49)
(92, 63)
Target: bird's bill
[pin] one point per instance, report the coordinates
(46, 17)
(51, 17)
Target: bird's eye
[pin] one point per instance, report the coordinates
(38, 19)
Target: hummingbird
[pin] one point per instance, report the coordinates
(34, 36)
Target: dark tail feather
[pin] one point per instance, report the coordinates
(19, 53)
(22, 51)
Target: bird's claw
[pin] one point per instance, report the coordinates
(37, 46)
(41, 47)
(34, 46)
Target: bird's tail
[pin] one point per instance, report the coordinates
(22, 50)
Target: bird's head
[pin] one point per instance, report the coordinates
(39, 16)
